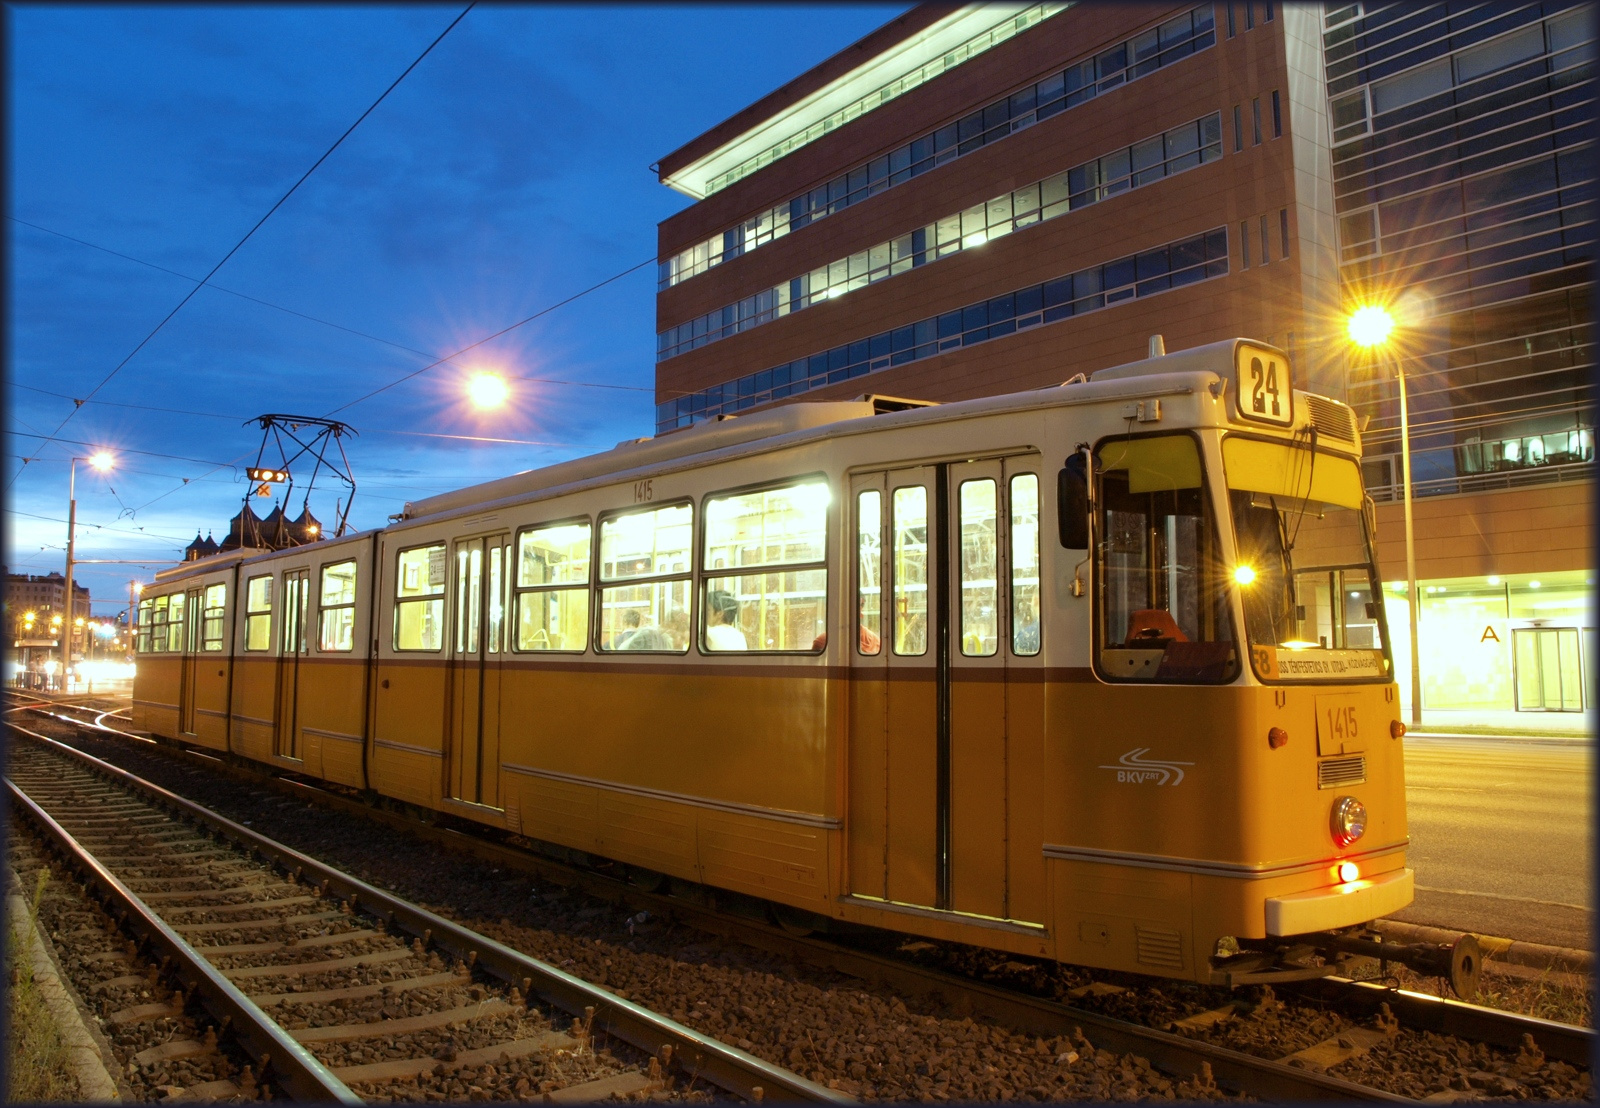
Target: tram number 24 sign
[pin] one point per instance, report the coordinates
(1262, 386)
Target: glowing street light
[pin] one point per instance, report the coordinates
(103, 461)
(488, 390)
(1371, 328)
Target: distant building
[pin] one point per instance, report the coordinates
(982, 199)
(44, 597)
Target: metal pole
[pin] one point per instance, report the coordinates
(1414, 593)
(72, 517)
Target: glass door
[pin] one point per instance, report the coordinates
(292, 648)
(1549, 675)
(190, 664)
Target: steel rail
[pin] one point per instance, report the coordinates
(273, 1049)
(1175, 1054)
(1419, 1011)
(699, 1055)
(1563, 1041)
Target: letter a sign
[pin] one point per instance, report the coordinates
(1488, 633)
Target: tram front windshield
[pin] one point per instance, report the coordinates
(1311, 599)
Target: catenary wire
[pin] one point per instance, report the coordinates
(300, 315)
(258, 224)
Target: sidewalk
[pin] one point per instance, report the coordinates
(1439, 722)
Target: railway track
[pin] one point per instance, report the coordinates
(340, 991)
(1242, 1044)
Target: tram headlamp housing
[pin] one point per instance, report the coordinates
(1349, 821)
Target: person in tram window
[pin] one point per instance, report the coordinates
(630, 624)
(722, 622)
(1027, 630)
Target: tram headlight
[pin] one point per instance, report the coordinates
(1349, 820)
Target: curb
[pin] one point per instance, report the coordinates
(1563, 959)
(1553, 737)
(95, 1082)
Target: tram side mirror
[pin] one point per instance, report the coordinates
(1072, 502)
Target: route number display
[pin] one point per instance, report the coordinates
(1263, 385)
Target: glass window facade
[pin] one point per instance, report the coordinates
(1172, 41)
(1144, 274)
(1145, 162)
(1463, 181)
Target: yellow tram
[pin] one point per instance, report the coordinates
(1096, 673)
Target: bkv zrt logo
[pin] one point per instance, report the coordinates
(1133, 768)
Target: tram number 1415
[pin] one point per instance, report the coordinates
(644, 491)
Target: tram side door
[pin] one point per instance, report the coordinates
(995, 690)
(292, 650)
(893, 763)
(477, 647)
(191, 661)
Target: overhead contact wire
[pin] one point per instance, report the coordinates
(77, 404)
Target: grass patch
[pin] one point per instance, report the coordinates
(1550, 996)
(36, 1056)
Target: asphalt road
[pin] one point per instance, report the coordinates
(1501, 838)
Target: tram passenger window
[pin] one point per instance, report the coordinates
(650, 553)
(142, 635)
(336, 607)
(158, 625)
(175, 624)
(1163, 602)
(258, 613)
(766, 579)
(1025, 564)
(980, 558)
(552, 584)
(869, 583)
(215, 608)
(910, 509)
(419, 599)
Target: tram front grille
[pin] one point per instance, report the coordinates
(1331, 419)
(1334, 772)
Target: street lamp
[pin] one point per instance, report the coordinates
(1371, 327)
(101, 461)
(488, 390)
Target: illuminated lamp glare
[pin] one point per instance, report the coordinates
(1494, 580)
(102, 460)
(1533, 584)
(1349, 871)
(1299, 644)
(1370, 326)
(488, 390)
(1244, 574)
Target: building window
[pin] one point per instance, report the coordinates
(552, 602)
(1283, 229)
(1145, 162)
(212, 619)
(419, 599)
(1244, 245)
(336, 607)
(1358, 235)
(1277, 115)
(1156, 270)
(258, 613)
(1238, 130)
(1266, 11)
(1255, 114)
(1174, 40)
(1249, 15)
(1266, 243)
(1230, 19)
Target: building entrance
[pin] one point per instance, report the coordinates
(1549, 671)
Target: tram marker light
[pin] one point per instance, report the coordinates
(271, 476)
(1397, 730)
(1349, 871)
(1277, 737)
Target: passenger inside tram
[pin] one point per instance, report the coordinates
(722, 622)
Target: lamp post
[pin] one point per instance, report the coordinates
(1371, 327)
(102, 462)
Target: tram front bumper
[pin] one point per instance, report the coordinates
(1340, 905)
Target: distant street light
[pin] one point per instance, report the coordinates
(1371, 327)
(101, 461)
(488, 390)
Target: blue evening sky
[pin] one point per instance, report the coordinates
(508, 172)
